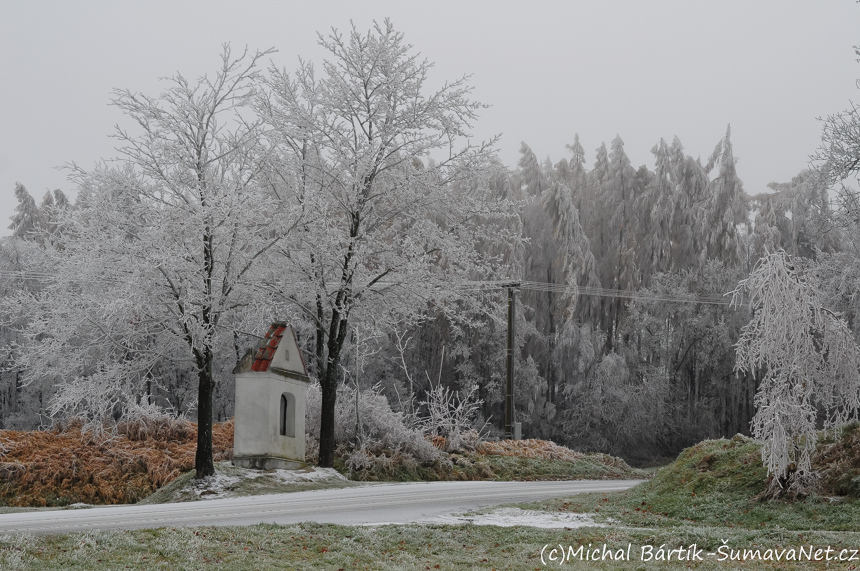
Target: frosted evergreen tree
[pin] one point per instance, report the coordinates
(690, 182)
(601, 165)
(657, 209)
(619, 269)
(596, 224)
(548, 170)
(801, 212)
(577, 159)
(724, 209)
(766, 237)
(53, 207)
(47, 201)
(26, 223)
(577, 181)
(561, 172)
(532, 174)
(541, 263)
(578, 268)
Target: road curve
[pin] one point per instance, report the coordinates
(374, 504)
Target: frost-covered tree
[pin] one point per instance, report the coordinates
(26, 223)
(690, 182)
(724, 209)
(578, 268)
(656, 209)
(691, 346)
(595, 225)
(382, 166)
(809, 361)
(156, 259)
(532, 175)
(601, 165)
(766, 236)
(577, 179)
(53, 208)
(801, 213)
(838, 156)
(618, 256)
(806, 351)
(614, 411)
(541, 262)
(23, 405)
(38, 223)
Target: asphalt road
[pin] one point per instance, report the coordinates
(375, 504)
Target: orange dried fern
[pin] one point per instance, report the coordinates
(65, 466)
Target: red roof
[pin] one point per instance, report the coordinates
(264, 355)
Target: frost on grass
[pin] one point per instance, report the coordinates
(516, 517)
(13, 551)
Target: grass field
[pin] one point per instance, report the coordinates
(704, 499)
(702, 503)
(316, 546)
(714, 484)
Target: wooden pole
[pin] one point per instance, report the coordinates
(509, 381)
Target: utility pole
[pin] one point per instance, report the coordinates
(511, 428)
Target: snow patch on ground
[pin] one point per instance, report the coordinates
(309, 475)
(225, 481)
(510, 517)
(214, 487)
(79, 506)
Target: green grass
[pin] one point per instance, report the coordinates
(713, 483)
(316, 546)
(589, 468)
(473, 466)
(704, 498)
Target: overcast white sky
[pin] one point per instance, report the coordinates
(640, 69)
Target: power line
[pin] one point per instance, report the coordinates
(714, 299)
(47, 277)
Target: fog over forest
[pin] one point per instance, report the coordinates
(351, 199)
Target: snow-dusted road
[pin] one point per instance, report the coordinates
(376, 504)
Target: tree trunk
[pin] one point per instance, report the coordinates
(203, 462)
(336, 337)
(319, 351)
(328, 388)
